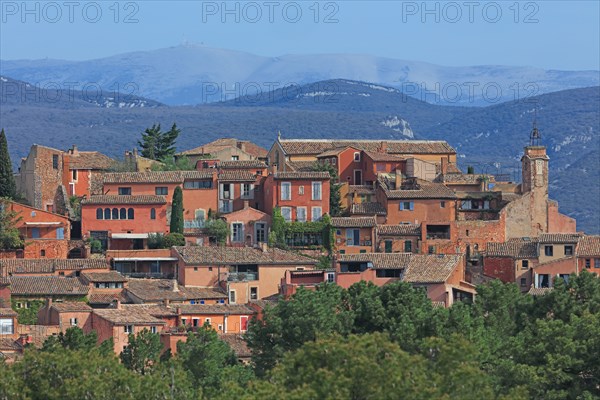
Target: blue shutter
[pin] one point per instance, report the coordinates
(412, 205)
(401, 205)
(60, 233)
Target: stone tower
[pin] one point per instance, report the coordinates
(534, 165)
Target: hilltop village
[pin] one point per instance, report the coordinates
(119, 247)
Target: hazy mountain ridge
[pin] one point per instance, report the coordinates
(207, 74)
(490, 138)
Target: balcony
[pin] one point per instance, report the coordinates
(242, 276)
(225, 206)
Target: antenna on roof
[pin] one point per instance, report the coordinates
(278, 135)
(535, 136)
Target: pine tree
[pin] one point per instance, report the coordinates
(158, 145)
(177, 211)
(7, 180)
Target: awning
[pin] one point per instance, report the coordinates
(129, 236)
(146, 259)
(42, 223)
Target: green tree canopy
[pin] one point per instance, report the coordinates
(177, 211)
(159, 145)
(142, 352)
(8, 187)
(10, 238)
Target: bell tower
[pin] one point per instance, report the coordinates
(534, 167)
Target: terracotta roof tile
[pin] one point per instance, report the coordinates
(109, 276)
(90, 160)
(301, 175)
(399, 230)
(517, 248)
(237, 176)
(431, 268)
(71, 306)
(220, 144)
(155, 176)
(300, 166)
(7, 312)
(318, 146)
(241, 164)
(156, 290)
(539, 291)
(359, 189)
(557, 238)
(237, 343)
(49, 265)
(108, 298)
(47, 286)
(353, 222)
(216, 255)
(124, 199)
(9, 344)
(423, 190)
(383, 157)
(589, 246)
(368, 208)
(379, 260)
(126, 316)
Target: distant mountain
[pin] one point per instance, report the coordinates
(14, 92)
(490, 138)
(191, 74)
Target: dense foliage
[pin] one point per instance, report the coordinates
(159, 145)
(162, 241)
(363, 343)
(10, 238)
(177, 211)
(7, 180)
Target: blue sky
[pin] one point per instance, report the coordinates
(548, 34)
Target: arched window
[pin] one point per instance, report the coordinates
(107, 213)
(99, 213)
(152, 213)
(115, 213)
(123, 213)
(130, 213)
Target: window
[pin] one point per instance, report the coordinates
(184, 321)
(73, 321)
(6, 326)
(235, 158)
(247, 191)
(588, 263)
(195, 322)
(388, 246)
(525, 264)
(161, 191)
(130, 213)
(356, 156)
(42, 253)
(467, 232)
(549, 251)
(407, 205)
(261, 232)
(431, 250)
(334, 161)
(122, 213)
(153, 329)
(35, 233)
(564, 277)
(380, 167)
(128, 328)
(286, 213)
(569, 250)
(442, 204)
(317, 213)
(237, 232)
(301, 190)
(253, 293)
(352, 237)
(125, 191)
(543, 281)
(596, 262)
(316, 190)
(331, 277)
(232, 297)
(197, 185)
(221, 327)
(408, 246)
(60, 233)
(388, 273)
(99, 213)
(523, 282)
(115, 213)
(55, 161)
(286, 191)
(153, 213)
(301, 214)
(107, 213)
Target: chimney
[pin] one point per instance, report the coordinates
(246, 204)
(74, 150)
(241, 145)
(135, 151)
(166, 302)
(444, 165)
(118, 304)
(178, 310)
(264, 247)
(398, 180)
(175, 286)
(383, 147)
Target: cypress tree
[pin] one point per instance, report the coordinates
(7, 180)
(177, 211)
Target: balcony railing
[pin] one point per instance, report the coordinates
(194, 223)
(242, 276)
(439, 235)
